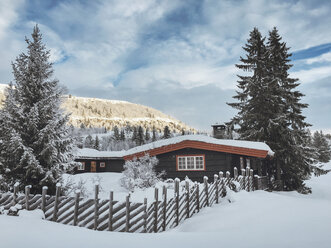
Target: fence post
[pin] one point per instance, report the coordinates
(96, 206)
(145, 215)
(127, 213)
(27, 197)
(110, 215)
(56, 203)
(243, 179)
(197, 197)
(221, 178)
(216, 188)
(156, 196)
(247, 179)
(187, 189)
(77, 195)
(251, 177)
(16, 187)
(227, 174)
(205, 182)
(164, 208)
(43, 198)
(177, 200)
(235, 173)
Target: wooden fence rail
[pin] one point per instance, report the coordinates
(163, 213)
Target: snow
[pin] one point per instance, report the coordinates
(110, 181)
(85, 152)
(252, 219)
(92, 153)
(3, 87)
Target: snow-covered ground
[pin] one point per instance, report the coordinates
(256, 219)
(110, 181)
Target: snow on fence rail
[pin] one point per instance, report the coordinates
(112, 215)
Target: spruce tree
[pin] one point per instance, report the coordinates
(89, 142)
(154, 138)
(166, 133)
(116, 133)
(122, 135)
(323, 150)
(269, 108)
(147, 135)
(140, 136)
(35, 148)
(134, 135)
(96, 143)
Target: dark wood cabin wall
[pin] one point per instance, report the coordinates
(215, 162)
(112, 165)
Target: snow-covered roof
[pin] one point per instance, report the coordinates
(92, 153)
(86, 152)
(202, 138)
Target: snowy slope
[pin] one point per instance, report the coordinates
(108, 113)
(258, 219)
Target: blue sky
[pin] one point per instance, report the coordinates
(176, 56)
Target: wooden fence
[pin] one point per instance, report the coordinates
(161, 214)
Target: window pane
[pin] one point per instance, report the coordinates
(190, 163)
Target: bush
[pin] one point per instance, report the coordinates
(140, 173)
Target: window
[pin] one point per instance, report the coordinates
(81, 166)
(187, 163)
(102, 164)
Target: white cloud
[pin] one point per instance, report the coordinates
(326, 57)
(312, 75)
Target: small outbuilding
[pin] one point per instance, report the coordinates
(194, 156)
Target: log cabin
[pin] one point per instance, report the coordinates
(194, 156)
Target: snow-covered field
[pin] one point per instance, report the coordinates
(256, 219)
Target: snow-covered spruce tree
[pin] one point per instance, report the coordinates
(35, 147)
(323, 149)
(140, 173)
(89, 142)
(269, 109)
(154, 137)
(116, 133)
(294, 158)
(140, 136)
(166, 133)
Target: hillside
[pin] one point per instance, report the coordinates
(94, 112)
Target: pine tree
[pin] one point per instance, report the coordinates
(122, 135)
(323, 149)
(294, 156)
(154, 138)
(166, 133)
(96, 143)
(89, 142)
(270, 109)
(147, 135)
(134, 135)
(35, 147)
(140, 136)
(116, 133)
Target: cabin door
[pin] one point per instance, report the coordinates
(93, 166)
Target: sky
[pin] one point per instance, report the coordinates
(176, 56)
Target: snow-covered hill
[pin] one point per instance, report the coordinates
(96, 112)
